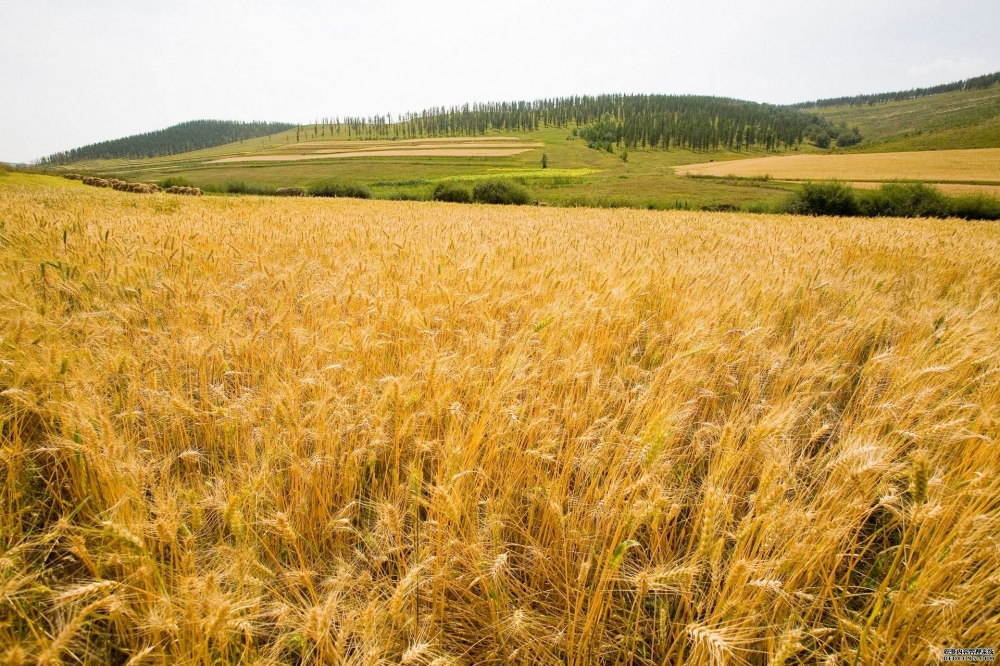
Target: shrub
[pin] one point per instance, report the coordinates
(904, 200)
(452, 192)
(242, 187)
(174, 181)
(890, 200)
(330, 189)
(849, 137)
(500, 192)
(975, 207)
(827, 198)
(290, 192)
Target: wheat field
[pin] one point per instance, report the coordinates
(939, 166)
(270, 431)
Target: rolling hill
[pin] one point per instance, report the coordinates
(181, 138)
(946, 121)
(608, 150)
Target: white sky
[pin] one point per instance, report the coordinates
(73, 73)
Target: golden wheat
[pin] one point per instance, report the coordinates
(277, 431)
(977, 164)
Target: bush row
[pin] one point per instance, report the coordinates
(488, 191)
(323, 189)
(899, 199)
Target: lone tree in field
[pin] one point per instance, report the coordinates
(545, 161)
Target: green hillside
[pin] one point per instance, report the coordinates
(181, 138)
(608, 150)
(951, 120)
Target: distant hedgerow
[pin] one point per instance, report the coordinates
(500, 192)
(243, 187)
(331, 189)
(826, 198)
(895, 199)
(453, 192)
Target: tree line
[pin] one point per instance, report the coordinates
(182, 138)
(667, 121)
(975, 83)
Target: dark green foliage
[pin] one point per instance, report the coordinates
(243, 187)
(976, 83)
(975, 207)
(826, 198)
(823, 133)
(697, 123)
(847, 137)
(182, 138)
(500, 192)
(290, 192)
(890, 200)
(904, 200)
(331, 189)
(174, 181)
(452, 192)
(669, 121)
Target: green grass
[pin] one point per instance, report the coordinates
(964, 119)
(578, 175)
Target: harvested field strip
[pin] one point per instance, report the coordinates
(977, 165)
(416, 152)
(947, 188)
(443, 146)
(384, 142)
(289, 430)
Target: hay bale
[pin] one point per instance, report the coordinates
(290, 192)
(72, 176)
(186, 191)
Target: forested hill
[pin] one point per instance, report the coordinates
(975, 83)
(668, 121)
(182, 138)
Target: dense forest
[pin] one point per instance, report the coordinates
(182, 138)
(975, 83)
(667, 121)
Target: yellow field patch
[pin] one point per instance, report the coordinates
(947, 188)
(265, 430)
(934, 166)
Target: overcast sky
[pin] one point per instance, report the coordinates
(73, 73)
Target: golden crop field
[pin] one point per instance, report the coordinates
(278, 431)
(979, 165)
